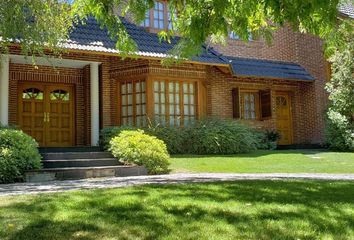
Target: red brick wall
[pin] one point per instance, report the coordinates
(47, 74)
(305, 50)
(22, 73)
(219, 86)
(308, 99)
(282, 47)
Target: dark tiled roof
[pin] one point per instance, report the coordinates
(265, 68)
(91, 37)
(347, 9)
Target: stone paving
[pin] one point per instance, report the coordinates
(117, 182)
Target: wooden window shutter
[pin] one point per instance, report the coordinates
(266, 103)
(236, 103)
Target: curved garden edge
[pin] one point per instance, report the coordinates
(179, 178)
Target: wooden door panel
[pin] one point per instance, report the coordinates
(65, 122)
(46, 113)
(31, 111)
(283, 118)
(60, 109)
(65, 136)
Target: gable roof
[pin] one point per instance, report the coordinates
(247, 67)
(91, 37)
(347, 9)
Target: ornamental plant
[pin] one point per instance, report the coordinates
(220, 136)
(18, 153)
(136, 147)
(340, 114)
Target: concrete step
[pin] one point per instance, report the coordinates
(69, 149)
(75, 155)
(62, 163)
(73, 173)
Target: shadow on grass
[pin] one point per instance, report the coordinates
(231, 210)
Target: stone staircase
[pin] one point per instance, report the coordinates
(80, 163)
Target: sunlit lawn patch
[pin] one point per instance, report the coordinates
(286, 161)
(229, 210)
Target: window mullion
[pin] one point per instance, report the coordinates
(181, 102)
(133, 102)
(165, 15)
(167, 101)
(152, 17)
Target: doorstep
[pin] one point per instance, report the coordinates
(75, 173)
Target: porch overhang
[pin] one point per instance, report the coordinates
(54, 62)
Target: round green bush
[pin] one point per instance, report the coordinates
(220, 136)
(18, 153)
(173, 137)
(136, 147)
(108, 133)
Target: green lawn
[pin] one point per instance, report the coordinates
(286, 161)
(230, 210)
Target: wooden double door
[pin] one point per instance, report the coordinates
(283, 118)
(46, 112)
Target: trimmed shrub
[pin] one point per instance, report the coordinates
(339, 132)
(173, 137)
(269, 139)
(108, 133)
(217, 136)
(136, 147)
(18, 153)
(211, 136)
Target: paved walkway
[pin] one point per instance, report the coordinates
(60, 186)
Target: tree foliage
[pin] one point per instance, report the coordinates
(39, 23)
(200, 21)
(36, 25)
(340, 115)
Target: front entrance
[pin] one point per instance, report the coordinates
(46, 112)
(283, 118)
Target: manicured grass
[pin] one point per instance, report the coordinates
(231, 210)
(285, 161)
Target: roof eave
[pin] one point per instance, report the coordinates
(275, 78)
(116, 54)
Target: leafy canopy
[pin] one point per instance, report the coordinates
(340, 114)
(35, 24)
(43, 24)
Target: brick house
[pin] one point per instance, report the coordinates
(272, 87)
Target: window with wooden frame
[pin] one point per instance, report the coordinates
(146, 22)
(159, 17)
(251, 104)
(133, 103)
(235, 36)
(175, 102)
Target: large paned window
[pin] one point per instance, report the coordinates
(146, 22)
(133, 103)
(170, 17)
(159, 17)
(234, 36)
(174, 102)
